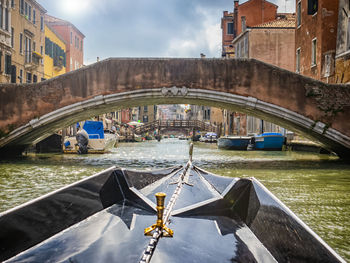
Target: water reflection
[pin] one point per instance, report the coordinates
(315, 187)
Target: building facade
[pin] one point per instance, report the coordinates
(55, 54)
(74, 41)
(28, 40)
(315, 38)
(227, 32)
(6, 41)
(272, 42)
(342, 56)
(251, 13)
(147, 113)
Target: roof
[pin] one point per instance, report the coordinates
(285, 20)
(54, 31)
(268, 2)
(39, 6)
(51, 20)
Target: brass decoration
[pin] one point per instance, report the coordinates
(166, 232)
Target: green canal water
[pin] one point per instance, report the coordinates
(315, 187)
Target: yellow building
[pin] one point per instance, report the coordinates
(55, 54)
(28, 39)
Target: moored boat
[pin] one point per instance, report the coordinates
(209, 137)
(90, 139)
(234, 142)
(177, 214)
(269, 141)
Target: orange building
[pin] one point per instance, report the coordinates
(251, 13)
(227, 35)
(74, 41)
(315, 38)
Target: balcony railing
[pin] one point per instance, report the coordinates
(32, 59)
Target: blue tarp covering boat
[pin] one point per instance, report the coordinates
(94, 129)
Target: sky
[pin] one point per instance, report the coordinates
(148, 28)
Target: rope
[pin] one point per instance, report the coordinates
(148, 252)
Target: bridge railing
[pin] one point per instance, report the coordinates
(184, 124)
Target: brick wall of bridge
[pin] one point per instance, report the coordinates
(315, 100)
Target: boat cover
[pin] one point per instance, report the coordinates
(215, 219)
(94, 129)
(269, 134)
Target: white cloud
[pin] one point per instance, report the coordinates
(206, 39)
(286, 6)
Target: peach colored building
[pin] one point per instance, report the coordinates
(74, 41)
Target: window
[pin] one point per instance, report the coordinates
(34, 46)
(299, 14)
(34, 16)
(21, 43)
(12, 3)
(41, 53)
(7, 19)
(230, 28)
(12, 36)
(1, 12)
(29, 77)
(71, 37)
(145, 109)
(21, 8)
(297, 61)
(313, 51)
(28, 49)
(238, 50)
(145, 119)
(35, 79)
(0, 61)
(13, 74)
(7, 64)
(20, 76)
(244, 27)
(81, 45)
(29, 12)
(25, 9)
(348, 35)
(312, 6)
(41, 23)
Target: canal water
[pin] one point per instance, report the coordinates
(315, 187)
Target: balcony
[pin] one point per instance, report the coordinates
(58, 63)
(32, 60)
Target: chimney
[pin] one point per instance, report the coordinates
(202, 55)
(236, 3)
(225, 13)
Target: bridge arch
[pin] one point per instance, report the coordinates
(313, 108)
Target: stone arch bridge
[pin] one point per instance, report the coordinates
(31, 112)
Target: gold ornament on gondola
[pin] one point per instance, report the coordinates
(166, 232)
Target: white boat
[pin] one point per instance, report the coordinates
(94, 138)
